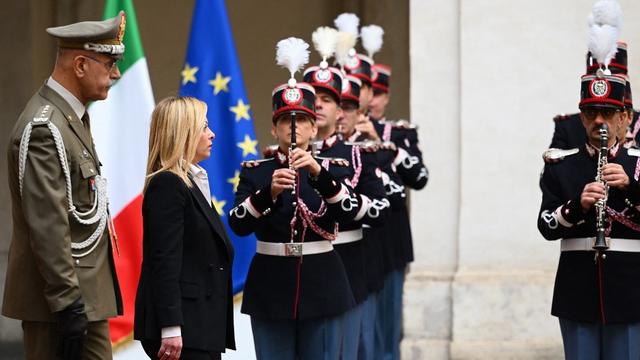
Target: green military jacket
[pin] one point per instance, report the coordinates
(42, 275)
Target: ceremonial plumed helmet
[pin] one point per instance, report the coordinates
(618, 64)
(380, 77)
(601, 90)
(359, 66)
(104, 37)
(628, 98)
(324, 76)
(351, 62)
(329, 79)
(351, 90)
(293, 96)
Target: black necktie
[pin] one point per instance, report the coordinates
(86, 122)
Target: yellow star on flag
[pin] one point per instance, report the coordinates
(219, 205)
(220, 83)
(248, 146)
(241, 110)
(235, 180)
(189, 74)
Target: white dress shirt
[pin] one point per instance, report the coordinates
(201, 180)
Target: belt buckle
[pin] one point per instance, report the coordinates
(293, 249)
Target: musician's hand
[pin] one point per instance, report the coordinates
(281, 180)
(615, 176)
(365, 126)
(591, 193)
(301, 159)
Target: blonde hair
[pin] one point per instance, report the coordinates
(176, 125)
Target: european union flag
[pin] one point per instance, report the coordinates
(212, 74)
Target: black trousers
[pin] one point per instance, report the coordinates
(151, 347)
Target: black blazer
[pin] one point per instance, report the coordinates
(186, 268)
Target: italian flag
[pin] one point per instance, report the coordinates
(120, 127)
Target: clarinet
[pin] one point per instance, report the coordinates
(291, 147)
(601, 205)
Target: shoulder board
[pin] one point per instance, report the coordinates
(334, 161)
(559, 154)
(248, 164)
(560, 117)
(43, 115)
(269, 150)
(633, 152)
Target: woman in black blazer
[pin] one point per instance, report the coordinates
(184, 305)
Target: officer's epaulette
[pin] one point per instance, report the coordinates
(558, 154)
(43, 115)
(253, 163)
(334, 161)
(633, 152)
(269, 151)
(560, 117)
(400, 124)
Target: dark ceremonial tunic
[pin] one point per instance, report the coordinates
(367, 182)
(587, 291)
(381, 243)
(410, 167)
(409, 171)
(569, 132)
(279, 287)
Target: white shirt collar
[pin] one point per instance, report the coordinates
(73, 101)
(198, 171)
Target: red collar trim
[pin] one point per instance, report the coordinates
(613, 150)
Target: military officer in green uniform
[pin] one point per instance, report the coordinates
(61, 279)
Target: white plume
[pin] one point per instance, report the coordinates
(346, 42)
(325, 40)
(348, 22)
(292, 54)
(602, 43)
(606, 12)
(371, 38)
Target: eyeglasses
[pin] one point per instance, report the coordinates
(606, 113)
(109, 65)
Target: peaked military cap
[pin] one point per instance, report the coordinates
(103, 37)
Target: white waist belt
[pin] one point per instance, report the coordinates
(586, 244)
(295, 249)
(345, 237)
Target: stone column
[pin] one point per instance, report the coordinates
(435, 108)
(487, 78)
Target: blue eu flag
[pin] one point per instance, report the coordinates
(212, 74)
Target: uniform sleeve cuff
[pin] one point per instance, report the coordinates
(400, 156)
(326, 185)
(170, 331)
(633, 191)
(570, 213)
(260, 203)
